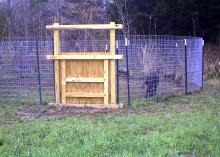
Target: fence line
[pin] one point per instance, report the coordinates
(154, 67)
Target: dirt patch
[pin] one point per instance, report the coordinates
(54, 111)
(62, 111)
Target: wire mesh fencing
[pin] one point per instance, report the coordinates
(26, 75)
(153, 68)
(156, 67)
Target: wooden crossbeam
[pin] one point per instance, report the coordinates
(97, 106)
(83, 57)
(89, 26)
(75, 79)
(84, 95)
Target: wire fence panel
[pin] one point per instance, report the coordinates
(26, 75)
(157, 67)
(47, 78)
(154, 67)
(194, 57)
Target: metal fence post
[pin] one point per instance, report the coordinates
(203, 62)
(21, 60)
(38, 70)
(117, 76)
(186, 69)
(128, 72)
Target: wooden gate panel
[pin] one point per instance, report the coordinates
(84, 81)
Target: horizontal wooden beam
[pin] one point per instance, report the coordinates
(90, 26)
(76, 79)
(84, 53)
(84, 57)
(98, 106)
(84, 95)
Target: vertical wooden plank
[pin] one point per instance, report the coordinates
(56, 38)
(63, 79)
(112, 65)
(106, 82)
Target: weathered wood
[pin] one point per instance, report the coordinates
(82, 100)
(56, 36)
(63, 79)
(84, 95)
(75, 79)
(84, 57)
(72, 27)
(112, 65)
(106, 82)
(97, 106)
(85, 69)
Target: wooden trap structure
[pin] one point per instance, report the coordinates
(85, 77)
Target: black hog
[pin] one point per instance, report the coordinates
(151, 81)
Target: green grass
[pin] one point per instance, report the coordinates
(178, 126)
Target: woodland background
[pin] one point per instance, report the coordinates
(149, 17)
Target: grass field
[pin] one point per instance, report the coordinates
(183, 126)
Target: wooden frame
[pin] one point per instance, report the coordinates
(85, 78)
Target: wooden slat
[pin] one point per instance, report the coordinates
(87, 53)
(84, 57)
(99, 106)
(56, 63)
(84, 53)
(63, 79)
(75, 79)
(90, 26)
(112, 65)
(106, 87)
(84, 95)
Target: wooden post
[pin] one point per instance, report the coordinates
(106, 81)
(63, 79)
(112, 64)
(56, 38)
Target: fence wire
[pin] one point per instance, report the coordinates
(158, 67)
(154, 67)
(26, 75)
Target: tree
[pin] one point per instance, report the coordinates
(173, 17)
(135, 15)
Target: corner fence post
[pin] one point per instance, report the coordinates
(203, 43)
(38, 70)
(117, 74)
(128, 72)
(21, 60)
(186, 68)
